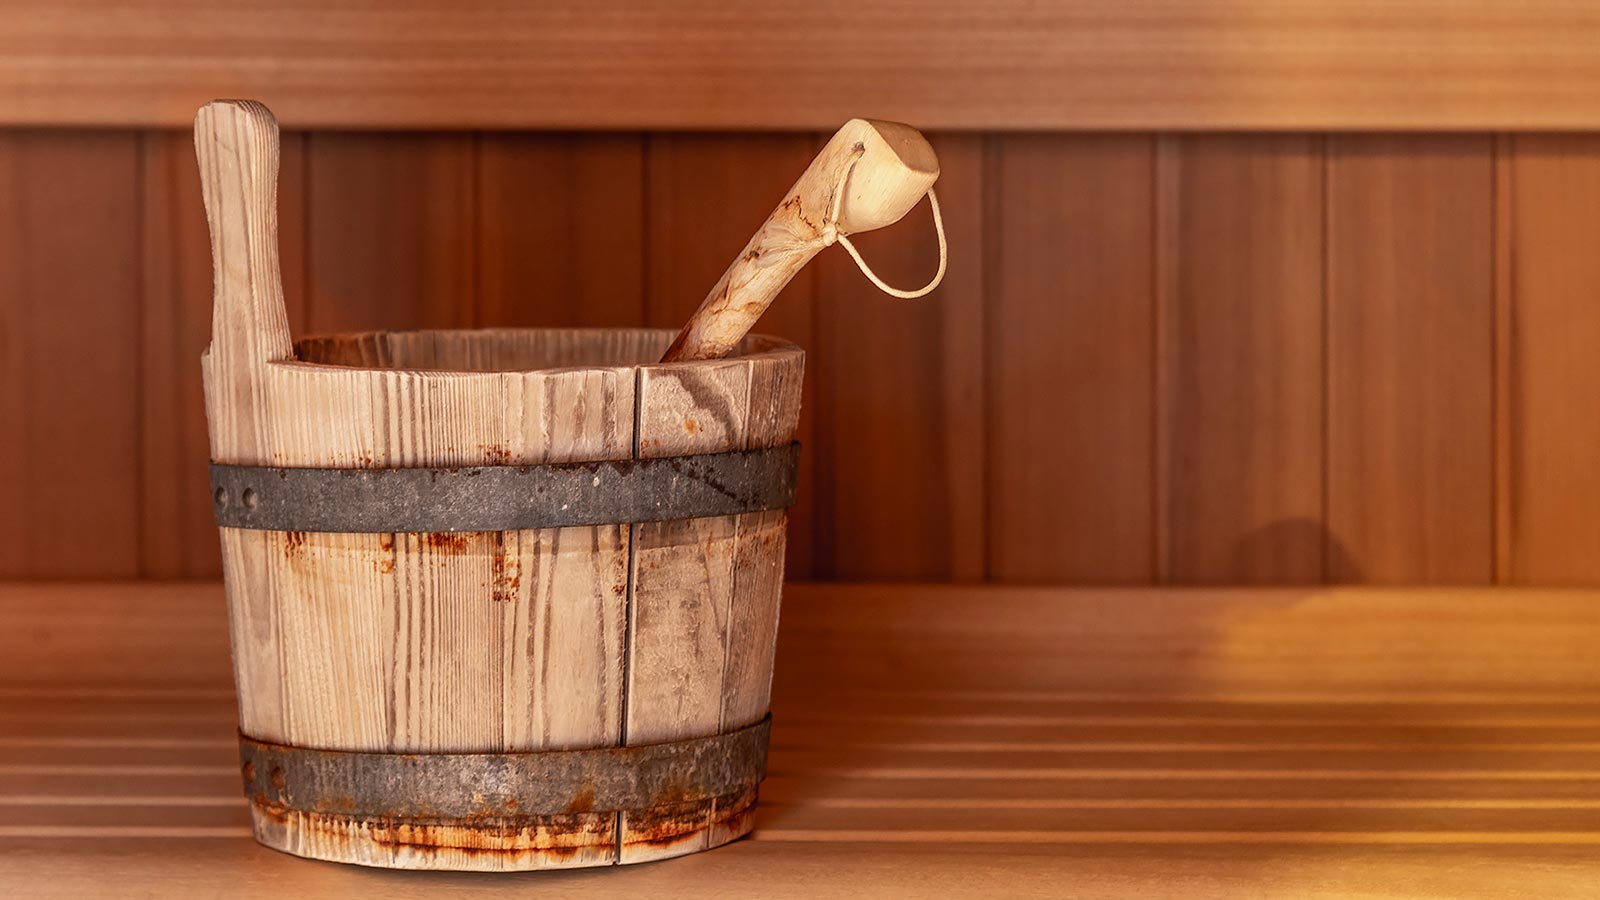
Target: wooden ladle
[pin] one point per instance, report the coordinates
(868, 176)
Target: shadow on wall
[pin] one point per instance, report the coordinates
(1291, 551)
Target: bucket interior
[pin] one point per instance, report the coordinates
(498, 349)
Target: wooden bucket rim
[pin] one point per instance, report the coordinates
(755, 347)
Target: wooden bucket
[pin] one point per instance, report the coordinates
(570, 667)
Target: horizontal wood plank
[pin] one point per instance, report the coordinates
(1317, 743)
(1086, 64)
(1223, 643)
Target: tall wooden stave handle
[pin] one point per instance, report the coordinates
(883, 169)
(236, 144)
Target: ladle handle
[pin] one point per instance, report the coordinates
(868, 176)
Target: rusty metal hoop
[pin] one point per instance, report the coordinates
(444, 786)
(504, 498)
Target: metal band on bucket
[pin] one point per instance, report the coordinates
(504, 498)
(442, 786)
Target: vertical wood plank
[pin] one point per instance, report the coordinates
(16, 406)
(394, 246)
(1504, 243)
(565, 596)
(177, 534)
(255, 629)
(391, 230)
(332, 591)
(446, 697)
(1241, 401)
(1555, 374)
(705, 196)
(900, 452)
(69, 364)
(1069, 359)
(566, 623)
(561, 230)
(759, 554)
(1410, 360)
(758, 571)
(682, 586)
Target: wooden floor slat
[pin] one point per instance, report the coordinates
(942, 753)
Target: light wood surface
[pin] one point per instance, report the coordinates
(867, 176)
(480, 641)
(704, 194)
(704, 604)
(1209, 743)
(1033, 369)
(175, 297)
(387, 642)
(1085, 64)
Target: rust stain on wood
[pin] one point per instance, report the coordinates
(447, 543)
(505, 574)
(526, 842)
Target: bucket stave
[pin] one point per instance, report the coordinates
(494, 659)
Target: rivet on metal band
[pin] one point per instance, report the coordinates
(443, 786)
(503, 498)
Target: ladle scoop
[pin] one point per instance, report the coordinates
(868, 176)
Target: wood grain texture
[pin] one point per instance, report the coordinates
(393, 247)
(490, 641)
(177, 531)
(1410, 360)
(759, 557)
(69, 355)
(1068, 359)
(683, 571)
(560, 230)
(868, 175)
(1518, 654)
(706, 64)
(1555, 371)
(1504, 288)
(392, 231)
(417, 642)
(703, 594)
(705, 194)
(899, 466)
(1245, 743)
(1241, 367)
(439, 642)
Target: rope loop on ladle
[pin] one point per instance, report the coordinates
(830, 235)
(944, 252)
